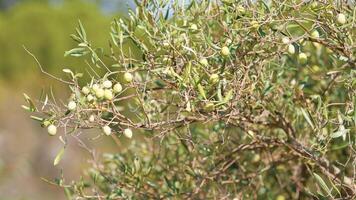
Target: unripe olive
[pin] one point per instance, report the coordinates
(95, 87)
(302, 58)
(225, 51)
(99, 93)
(285, 40)
(52, 130)
(108, 94)
(291, 49)
(72, 105)
(209, 107)
(85, 90)
(107, 84)
(107, 130)
(204, 62)
(128, 77)
(194, 27)
(280, 197)
(255, 24)
(46, 123)
(315, 34)
(90, 97)
(316, 68)
(214, 78)
(91, 118)
(117, 88)
(128, 133)
(293, 82)
(341, 18)
(256, 158)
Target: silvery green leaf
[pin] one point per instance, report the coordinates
(59, 157)
(322, 184)
(341, 132)
(307, 117)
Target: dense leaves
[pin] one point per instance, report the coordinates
(222, 100)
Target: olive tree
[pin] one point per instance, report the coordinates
(216, 100)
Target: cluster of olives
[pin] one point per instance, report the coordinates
(93, 93)
(302, 57)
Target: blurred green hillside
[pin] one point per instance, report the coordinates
(44, 29)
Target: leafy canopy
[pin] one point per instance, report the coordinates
(217, 100)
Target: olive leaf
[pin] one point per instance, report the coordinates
(322, 184)
(32, 107)
(307, 117)
(59, 156)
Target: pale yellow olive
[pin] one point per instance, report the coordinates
(341, 18)
(128, 77)
(293, 82)
(128, 133)
(315, 34)
(95, 87)
(107, 84)
(214, 78)
(108, 94)
(72, 105)
(90, 97)
(204, 62)
(302, 58)
(209, 107)
(85, 90)
(117, 88)
(285, 40)
(106, 130)
(256, 158)
(46, 123)
(52, 130)
(225, 51)
(280, 197)
(91, 118)
(194, 27)
(99, 93)
(255, 24)
(291, 49)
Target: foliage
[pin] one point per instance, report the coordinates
(224, 100)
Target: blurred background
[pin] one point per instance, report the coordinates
(43, 27)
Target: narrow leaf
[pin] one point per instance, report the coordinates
(307, 117)
(58, 157)
(32, 107)
(201, 91)
(322, 184)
